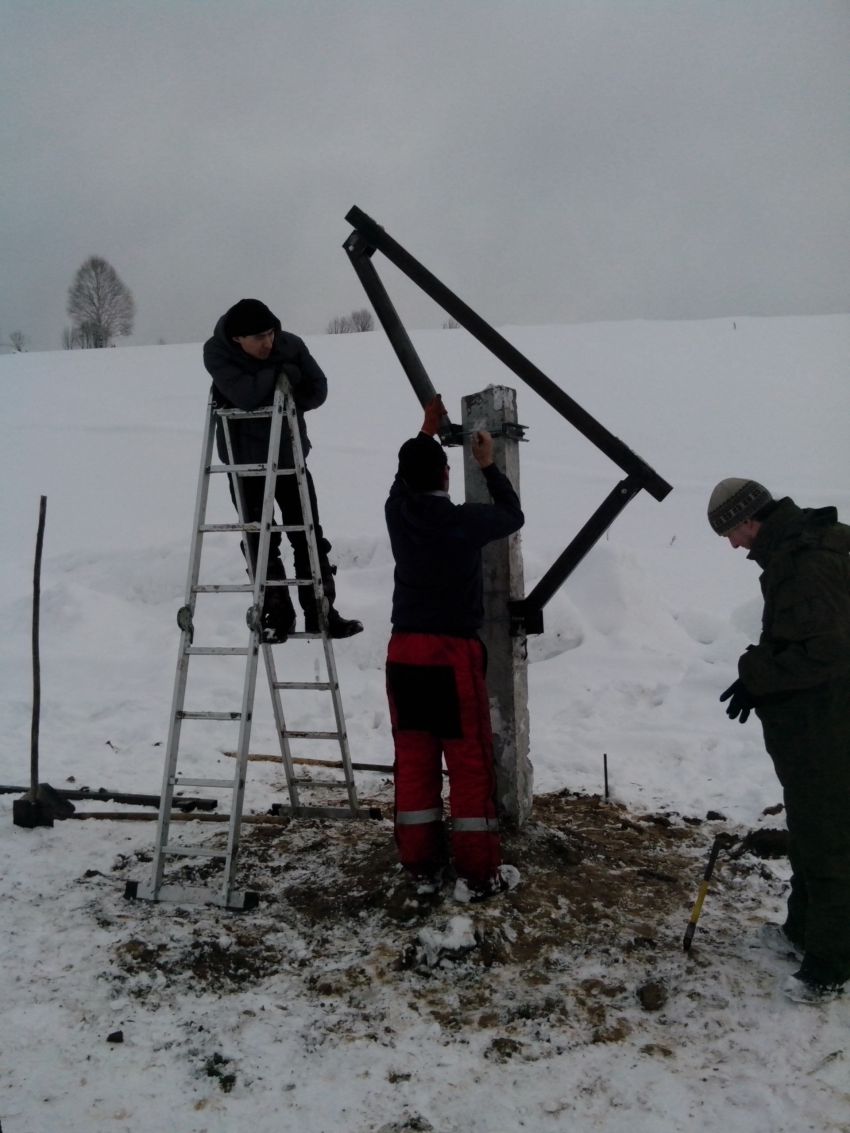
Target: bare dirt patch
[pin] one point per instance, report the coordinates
(588, 943)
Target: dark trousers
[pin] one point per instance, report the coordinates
(439, 705)
(808, 738)
(289, 503)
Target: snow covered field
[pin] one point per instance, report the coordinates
(317, 1026)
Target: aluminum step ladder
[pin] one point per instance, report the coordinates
(166, 848)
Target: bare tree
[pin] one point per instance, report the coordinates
(87, 336)
(362, 320)
(350, 324)
(100, 305)
(17, 342)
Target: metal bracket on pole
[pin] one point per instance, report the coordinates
(509, 429)
(367, 238)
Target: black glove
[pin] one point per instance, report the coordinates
(741, 701)
(292, 372)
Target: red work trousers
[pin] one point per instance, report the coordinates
(439, 706)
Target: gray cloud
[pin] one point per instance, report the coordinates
(551, 161)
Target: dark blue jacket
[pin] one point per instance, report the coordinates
(437, 545)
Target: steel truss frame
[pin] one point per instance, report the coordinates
(369, 237)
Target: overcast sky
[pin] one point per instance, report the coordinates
(550, 160)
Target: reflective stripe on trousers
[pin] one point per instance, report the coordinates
(418, 817)
(475, 824)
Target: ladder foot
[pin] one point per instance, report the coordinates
(237, 901)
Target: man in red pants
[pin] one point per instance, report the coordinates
(436, 662)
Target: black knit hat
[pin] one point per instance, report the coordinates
(734, 501)
(249, 316)
(421, 461)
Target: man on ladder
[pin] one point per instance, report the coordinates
(247, 351)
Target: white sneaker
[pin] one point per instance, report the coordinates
(774, 938)
(804, 991)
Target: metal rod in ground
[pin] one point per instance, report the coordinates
(717, 845)
(180, 802)
(605, 773)
(36, 665)
(178, 816)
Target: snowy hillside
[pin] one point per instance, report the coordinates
(329, 1012)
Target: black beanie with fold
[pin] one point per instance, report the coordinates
(421, 461)
(249, 316)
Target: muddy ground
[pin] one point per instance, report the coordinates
(591, 936)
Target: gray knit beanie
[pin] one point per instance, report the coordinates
(735, 501)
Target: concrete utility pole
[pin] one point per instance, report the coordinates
(507, 663)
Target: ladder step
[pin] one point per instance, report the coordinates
(183, 715)
(243, 469)
(318, 686)
(311, 735)
(248, 469)
(181, 782)
(247, 587)
(223, 588)
(206, 527)
(216, 651)
(193, 852)
(256, 527)
(242, 414)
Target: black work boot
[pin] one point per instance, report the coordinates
(338, 626)
(278, 616)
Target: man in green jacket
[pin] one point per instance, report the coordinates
(797, 679)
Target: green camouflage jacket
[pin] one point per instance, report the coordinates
(805, 640)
